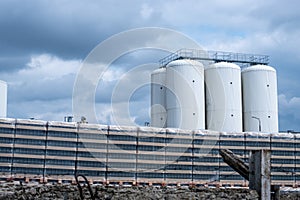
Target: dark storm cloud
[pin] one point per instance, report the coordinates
(12, 63)
(65, 28)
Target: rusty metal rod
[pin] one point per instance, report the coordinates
(80, 188)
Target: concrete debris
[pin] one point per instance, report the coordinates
(11, 191)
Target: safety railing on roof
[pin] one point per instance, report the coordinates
(216, 56)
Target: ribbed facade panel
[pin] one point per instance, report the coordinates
(56, 150)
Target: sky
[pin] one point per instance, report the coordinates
(44, 43)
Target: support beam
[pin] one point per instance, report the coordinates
(260, 173)
(235, 162)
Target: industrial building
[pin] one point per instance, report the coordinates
(201, 102)
(58, 150)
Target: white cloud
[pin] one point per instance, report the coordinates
(146, 11)
(43, 89)
(289, 112)
(268, 42)
(50, 67)
(289, 106)
(112, 74)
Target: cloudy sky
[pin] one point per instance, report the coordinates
(43, 44)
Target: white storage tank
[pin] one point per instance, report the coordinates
(260, 107)
(3, 99)
(185, 100)
(158, 98)
(223, 97)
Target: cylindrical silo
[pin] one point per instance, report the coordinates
(223, 97)
(158, 98)
(185, 100)
(260, 108)
(3, 98)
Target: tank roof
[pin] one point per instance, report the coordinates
(159, 70)
(223, 65)
(183, 62)
(259, 68)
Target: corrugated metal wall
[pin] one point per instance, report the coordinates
(59, 150)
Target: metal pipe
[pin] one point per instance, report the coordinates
(259, 123)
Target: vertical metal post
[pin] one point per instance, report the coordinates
(106, 156)
(13, 149)
(136, 154)
(260, 173)
(193, 155)
(245, 153)
(45, 155)
(295, 161)
(165, 165)
(219, 159)
(76, 152)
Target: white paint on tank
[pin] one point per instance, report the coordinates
(185, 100)
(3, 99)
(158, 98)
(260, 105)
(223, 97)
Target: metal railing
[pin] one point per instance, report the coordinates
(216, 56)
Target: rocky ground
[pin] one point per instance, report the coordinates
(16, 190)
